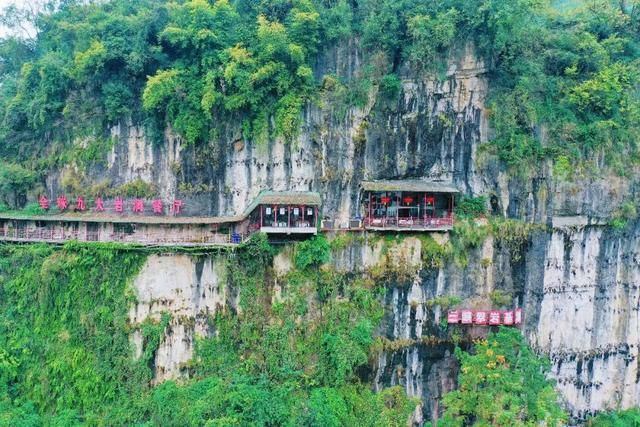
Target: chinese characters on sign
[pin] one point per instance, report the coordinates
(119, 205)
(483, 317)
(157, 206)
(466, 317)
(138, 206)
(43, 202)
(62, 203)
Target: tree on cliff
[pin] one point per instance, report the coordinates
(502, 383)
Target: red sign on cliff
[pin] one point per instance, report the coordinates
(118, 205)
(518, 316)
(480, 317)
(507, 318)
(494, 317)
(466, 317)
(484, 317)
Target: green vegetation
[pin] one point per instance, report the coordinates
(628, 418)
(312, 253)
(501, 299)
(502, 382)
(15, 182)
(626, 213)
(470, 207)
(564, 80)
(280, 364)
(67, 357)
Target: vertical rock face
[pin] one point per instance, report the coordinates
(578, 283)
(580, 288)
(430, 128)
(190, 290)
(584, 313)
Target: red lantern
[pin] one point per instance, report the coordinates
(429, 201)
(408, 200)
(385, 200)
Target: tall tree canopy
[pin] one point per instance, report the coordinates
(563, 79)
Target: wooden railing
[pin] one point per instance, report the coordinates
(58, 235)
(409, 223)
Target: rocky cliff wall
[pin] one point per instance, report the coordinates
(431, 128)
(582, 305)
(579, 288)
(578, 282)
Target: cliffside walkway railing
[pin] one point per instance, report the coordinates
(434, 223)
(147, 239)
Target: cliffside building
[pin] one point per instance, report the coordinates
(406, 205)
(291, 213)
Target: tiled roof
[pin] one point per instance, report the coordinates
(266, 197)
(307, 198)
(410, 185)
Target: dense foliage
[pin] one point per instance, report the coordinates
(67, 358)
(278, 362)
(564, 81)
(65, 355)
(502, 383)
(628, 418)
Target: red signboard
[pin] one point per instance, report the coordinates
(485, 317)
(138, 205)
(43, 202)
(466, 317)
(453, 316)
(80, 204)
(494, 317)
(177, 205)
(480, 318)
(507, 318)
(157, 206)
(119, 205)
(518, 316)
(62, 203)
(99, 204)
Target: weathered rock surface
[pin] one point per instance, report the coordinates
(578, 283)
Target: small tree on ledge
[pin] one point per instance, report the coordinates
(502, 384)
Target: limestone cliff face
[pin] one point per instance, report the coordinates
(583, 310)
(430, 129)
(190, 289)
(579, 288)
(578, 282)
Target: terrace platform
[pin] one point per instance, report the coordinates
(408, 205)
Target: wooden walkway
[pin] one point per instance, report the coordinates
(45, 235)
